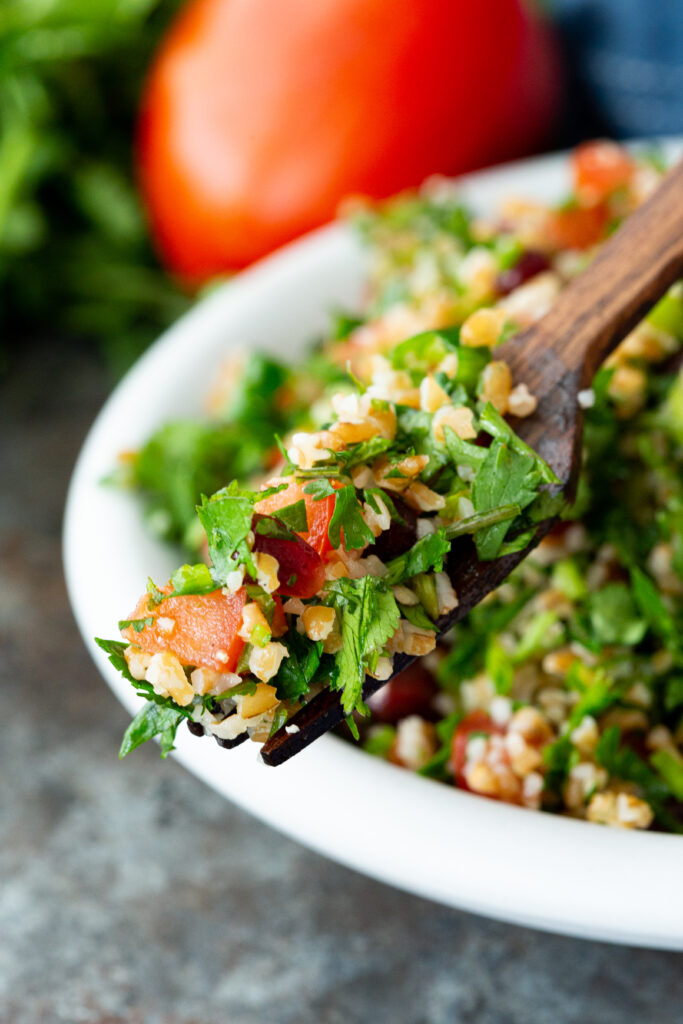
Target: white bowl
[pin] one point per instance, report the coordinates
(503, 861)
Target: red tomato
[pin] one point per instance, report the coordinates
(205, 628)
(578, 227)
(279, 623)
(408, 694)
(475, 721)
(301, 570)
(260, 116)
(318, 513)
(600, 168)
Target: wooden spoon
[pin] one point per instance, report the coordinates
(556, 358)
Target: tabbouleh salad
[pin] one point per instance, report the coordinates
(353, 474)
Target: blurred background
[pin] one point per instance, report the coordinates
(149, 148)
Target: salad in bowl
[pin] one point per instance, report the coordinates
(318, 505)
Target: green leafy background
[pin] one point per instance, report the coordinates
(75, 256)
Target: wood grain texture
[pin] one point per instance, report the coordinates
(556, 357)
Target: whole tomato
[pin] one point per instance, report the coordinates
(259, 116)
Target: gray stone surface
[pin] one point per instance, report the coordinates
(131, 893)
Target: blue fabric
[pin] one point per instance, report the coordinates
(627, 56)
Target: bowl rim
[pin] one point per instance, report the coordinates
(440, 843)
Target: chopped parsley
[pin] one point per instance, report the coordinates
(370, 616)
(294, 516)
(159, 716)
(425, 555)
(298, 671)
(506, 476)
(136, 624)
(227, 521)
(348, 517)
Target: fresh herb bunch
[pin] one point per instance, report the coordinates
(74, 250)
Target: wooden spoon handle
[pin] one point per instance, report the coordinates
(598, 308)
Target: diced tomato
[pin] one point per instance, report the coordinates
(201, 629)
(475, 721)
(578, 227)
(301, 570)
(408, 694)
(600, 168)
(318, 513)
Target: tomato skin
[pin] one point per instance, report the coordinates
(475, 721)
(296, 559)
(279, 623)
(578, 227)
(259, 117)
(599, 169)
(410, 693)
(205, 625)
(318, 513)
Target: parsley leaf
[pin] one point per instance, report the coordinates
(370, 616)
(296, 672)
(247, 688)
(426, 554)
(159, 716)
(652, 608)
(423, 350)
(614, 616)
(384, 620)
(270, 526)
(438, 766)
(342, 324)
(380, 741)
(464, 453)
(156, 595)
(183, 460)
(505, 477)
(294, 516)
(226, 518)
(499, 665)
(539, 634)
(347, 516)
(137, 624)
(319, 489)
(371, 494)
(192, 579)
(493, 423)
(114, 649)
(673, 693)
(415, 430)
(364, 451)
(599, 692)
(670, 770)
(188, 579)
(279, 719)
(623, 763)
(152, 720)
